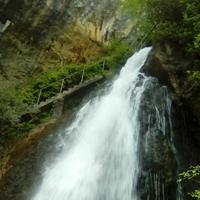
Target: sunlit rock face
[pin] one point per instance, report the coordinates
(44, 33)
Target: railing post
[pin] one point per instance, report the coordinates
(38, 100)
(82, 77)
(61, 87)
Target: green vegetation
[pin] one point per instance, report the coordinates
(176, 21)
(193, 83)
(19, 129)
(10, 107)
(194, 77)
(193, 174)
(134, 7)
(21, 97)
(50, 82)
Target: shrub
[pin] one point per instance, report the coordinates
(192, 174)
(50, 82)
(194, 77)
(10, 107)
(177, 22)
(20, 98)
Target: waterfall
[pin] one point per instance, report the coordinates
(103, 162)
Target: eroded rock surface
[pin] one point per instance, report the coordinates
(35, 35)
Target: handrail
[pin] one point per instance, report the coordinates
(67, 77)
(137, 46)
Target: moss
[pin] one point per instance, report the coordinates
(20, 129)
(26, 126)
(23, 96)
(50, 81)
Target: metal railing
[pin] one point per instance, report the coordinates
(137, 45)
(82, 72)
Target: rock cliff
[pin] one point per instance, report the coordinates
(170, 66)
(37, 35)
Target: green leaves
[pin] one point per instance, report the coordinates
(50, 81)
(197, 41)
(195, 194)
(134, 7)
(178, 23)
(194, 76)
(162, 11)
(10, 106)
(193, 174)
(20, 98)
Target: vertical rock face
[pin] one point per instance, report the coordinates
(169, 66)
(51, 32)
(158, 160)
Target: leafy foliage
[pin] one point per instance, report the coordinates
(196, 194)
(177, 21)
(17, 99)
(194, 76)
(190, 34)
(50, 81)
(10, 106)
(134, 7)
(193, 174)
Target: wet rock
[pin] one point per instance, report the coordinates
(57, 108)
(169, 66)
(158, 160)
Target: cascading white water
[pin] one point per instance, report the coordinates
(102, 164)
